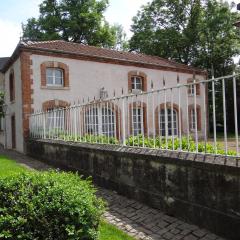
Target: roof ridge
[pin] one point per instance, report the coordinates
(29, 42)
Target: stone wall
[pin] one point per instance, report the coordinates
(198, 189)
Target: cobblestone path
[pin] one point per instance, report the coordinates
(138, 220)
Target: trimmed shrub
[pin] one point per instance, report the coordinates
(47, 206)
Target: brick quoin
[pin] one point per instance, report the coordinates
(26, 90)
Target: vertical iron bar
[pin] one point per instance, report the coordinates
(196, 115)
(224, 116)
(214, 116)
(235, 112)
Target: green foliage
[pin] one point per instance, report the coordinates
(143, 141)
(48, 205)
(89, 138)
(9, 167)
(73, 20)
(175, 144)
(109, 232)
(196, 32)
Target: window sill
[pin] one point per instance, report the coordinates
(135, 91)
(12, 102)
(192, 95)
(54, 88)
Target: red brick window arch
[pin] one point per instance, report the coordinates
(137, 81)
(55, 119)
(192, 117)
(54, 74)
(12, 86)
(53, 104)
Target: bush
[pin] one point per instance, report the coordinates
(47, 206)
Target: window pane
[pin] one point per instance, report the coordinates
(49, 80)
(58, 73)
(171, 125)
(136, 83)
(137, 121)
(49, 72)
(58, 81)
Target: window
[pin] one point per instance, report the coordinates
(1, 123)
(192, 118)
(100, 121)
(137, 83)
(191, 88)
(12, 86)
(172, 126)
(91, 121)
(137, 121)
(55, 119)
(54, 74)
(54, 77)
(108, 122)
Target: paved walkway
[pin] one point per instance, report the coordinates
(138, 220)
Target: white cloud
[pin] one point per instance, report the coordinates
(10, 34)
(123, 11)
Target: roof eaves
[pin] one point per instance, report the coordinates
(186, 68)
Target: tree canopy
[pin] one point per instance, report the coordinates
(196, 32)
(74, 20)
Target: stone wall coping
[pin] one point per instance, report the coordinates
(163, 156)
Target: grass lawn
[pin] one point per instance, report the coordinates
(107, 231)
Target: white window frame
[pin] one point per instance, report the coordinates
(191, 90)
(137, 121)
(162, 119)
(55, 119)
(100, 121)
(53, 76)
(192, 119)
(135, 85)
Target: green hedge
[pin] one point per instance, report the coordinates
(47, 206)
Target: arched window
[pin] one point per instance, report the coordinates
(100, 121)
(137, 81)
(12, 86)
(54, 74)
(55, 118)
(168, 122)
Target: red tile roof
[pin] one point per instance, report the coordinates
(90, 51)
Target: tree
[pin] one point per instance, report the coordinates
(196, 32)
(79, 21)
(121, 43)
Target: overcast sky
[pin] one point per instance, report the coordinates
(16, 12)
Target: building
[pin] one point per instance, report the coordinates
(53, 74)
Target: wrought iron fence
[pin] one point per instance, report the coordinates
(194, 117)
